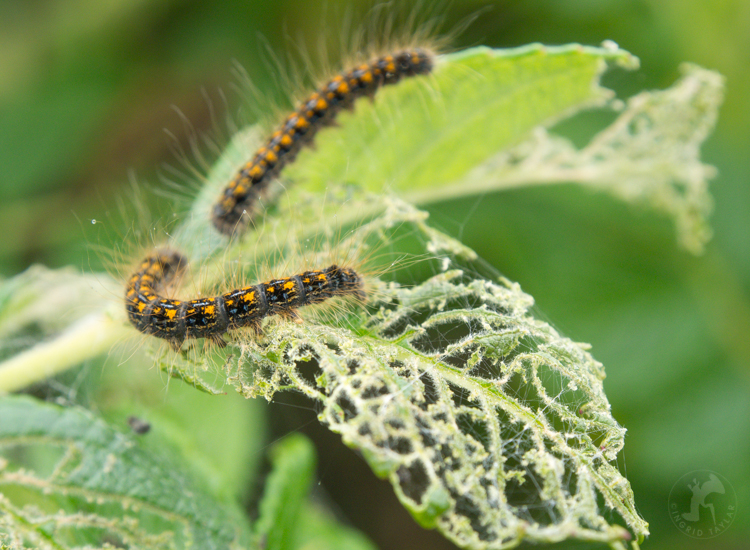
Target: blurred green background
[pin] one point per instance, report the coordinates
(87, 89)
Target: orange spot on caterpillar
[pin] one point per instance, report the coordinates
(299, 128)
(175, 320)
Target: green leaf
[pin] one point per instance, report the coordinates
(69, 480)
(224, 454)
(293, 462)
(318, 530)
(79, 310)
(426, 134)
(28, 298)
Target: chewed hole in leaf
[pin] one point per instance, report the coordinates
(460, 357)
(346, 406)
(476, 429)
(462, 397)
(309, 371)
(374, 391)
(442, 334)
(400, 445)
(413, 480)
(430, 394)
(467, 507)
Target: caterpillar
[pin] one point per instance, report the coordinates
(175, 320)
(299, 128)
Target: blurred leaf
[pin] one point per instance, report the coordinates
(76, 309)
(221, 438)
(293, 462)
(69, 480)
(28, 298)
(317, 530)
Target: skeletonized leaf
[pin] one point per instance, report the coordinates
(491, 426)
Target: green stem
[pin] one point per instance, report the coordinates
(87, 338)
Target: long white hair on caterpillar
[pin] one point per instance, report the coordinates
(302, 245)
(390, 44)
(387, 42)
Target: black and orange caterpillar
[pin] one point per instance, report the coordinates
(299, 128)
(176, 320)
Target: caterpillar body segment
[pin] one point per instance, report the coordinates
(237, 204)
(175, 320)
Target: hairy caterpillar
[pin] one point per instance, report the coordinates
(299, 128)
(175, 320)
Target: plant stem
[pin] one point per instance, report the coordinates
(87, 338)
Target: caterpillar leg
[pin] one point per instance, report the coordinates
(217, 340)
(256, 329)
(291, 315)
(176, 344)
